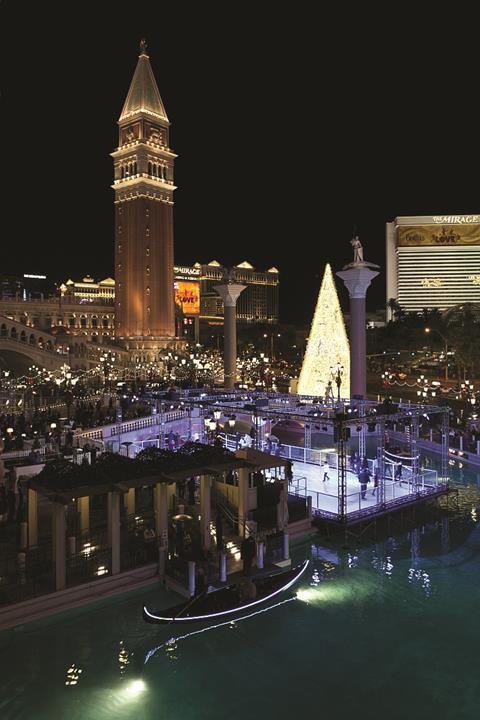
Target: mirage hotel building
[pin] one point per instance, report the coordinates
(433, 261)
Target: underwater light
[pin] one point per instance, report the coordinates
(135, 688)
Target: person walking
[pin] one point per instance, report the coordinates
(326, 469)
(364, 477)
(247, 553)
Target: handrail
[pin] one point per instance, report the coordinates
(233, 517)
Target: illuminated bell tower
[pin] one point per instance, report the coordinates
(143, 185)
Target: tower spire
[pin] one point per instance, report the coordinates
(143, 95)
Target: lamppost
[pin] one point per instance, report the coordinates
(337, 374)
(272, 336)
(429, 330)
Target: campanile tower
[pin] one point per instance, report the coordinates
(143, 184)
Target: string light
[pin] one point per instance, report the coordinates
(327, 344)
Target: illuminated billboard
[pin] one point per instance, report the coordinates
(442, 235)
(187, 297)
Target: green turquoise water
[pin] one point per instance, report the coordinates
(387, 630)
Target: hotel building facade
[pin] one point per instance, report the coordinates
(433, 261)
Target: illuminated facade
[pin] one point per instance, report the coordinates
(143, 185)
(433, 261)
(327, 344)
(258, 303)
(89, 291)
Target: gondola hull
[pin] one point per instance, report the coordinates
(226, 602)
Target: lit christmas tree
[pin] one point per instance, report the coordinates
(327, 344)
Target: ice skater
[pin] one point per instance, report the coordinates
(326, 468)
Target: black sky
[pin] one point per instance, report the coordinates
(291, 127)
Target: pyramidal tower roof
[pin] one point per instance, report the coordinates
(143, 95)
(327, 344)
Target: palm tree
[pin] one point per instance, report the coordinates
(463, 331)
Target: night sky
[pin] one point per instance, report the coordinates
(290, 128)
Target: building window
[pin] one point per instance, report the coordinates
(71, 322)
(149, 167)
(147, 270)
(147, 231)
(148, 291)
(119, 248)
(147, 251)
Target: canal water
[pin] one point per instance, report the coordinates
(386, 629)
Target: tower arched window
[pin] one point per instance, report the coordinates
(149, 167)
(123, 172)
(135, 167)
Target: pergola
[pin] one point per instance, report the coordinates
(60, 494)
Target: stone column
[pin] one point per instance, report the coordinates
(171, 494)
(243, 506)
(205, 509)
(114, 529)
(357, 278)
(83, 507)
(230, 292)
(32, 501)
(59, 545)
(130, 501)
(161, 524)
(161, 510)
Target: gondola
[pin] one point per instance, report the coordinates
(227, 601)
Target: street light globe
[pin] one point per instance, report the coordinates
(9, 430)
(53, 426)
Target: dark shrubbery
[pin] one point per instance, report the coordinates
(113, 468)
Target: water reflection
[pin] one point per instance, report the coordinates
(73, 675)
(123, 658)
(173, 642)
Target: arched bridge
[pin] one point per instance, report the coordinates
(31, 344)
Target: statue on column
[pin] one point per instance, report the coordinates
(357, 250)
(230, 276)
